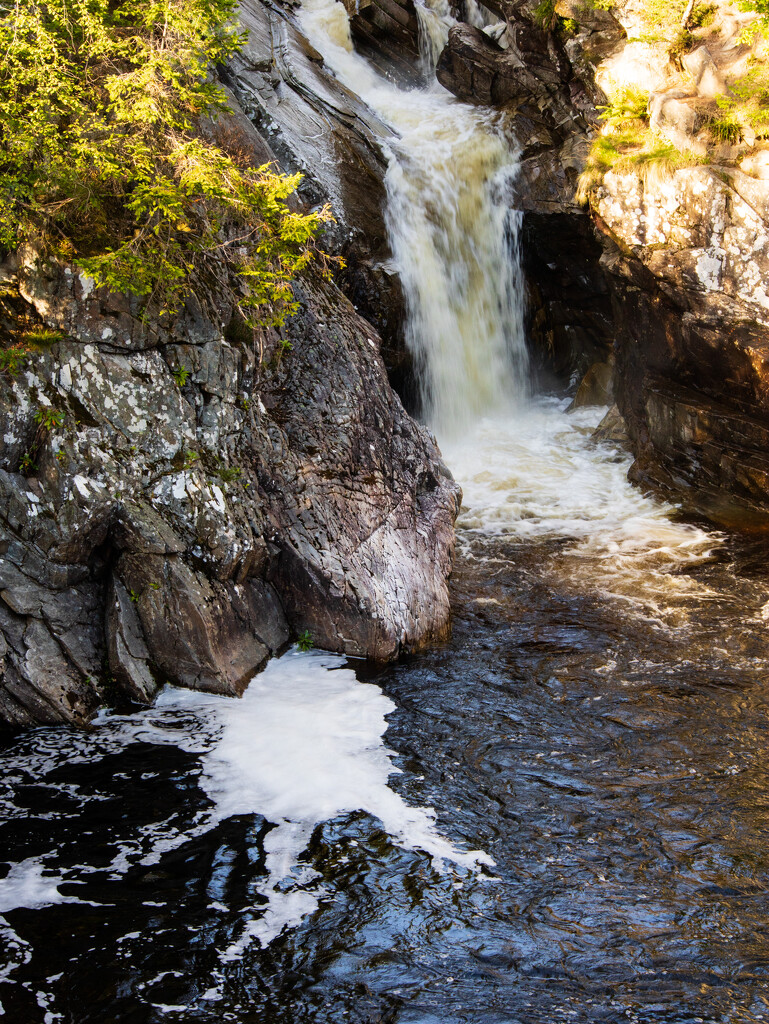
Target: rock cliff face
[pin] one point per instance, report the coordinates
(178, 499)
(688, 277)
(313, 124)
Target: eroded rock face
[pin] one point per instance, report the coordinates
(686, 257)
(531, 70)
(184, 532)
(310, 122)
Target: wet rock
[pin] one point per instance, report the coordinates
(612, 428)
(532, 71)
(387, 32)
(570, 320)
(596, 387)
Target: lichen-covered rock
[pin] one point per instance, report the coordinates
(687, 257)
(177, 497)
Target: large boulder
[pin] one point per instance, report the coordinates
(179, 497)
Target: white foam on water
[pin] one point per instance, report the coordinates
(303, 746)
(29, 883)
(528, 470)
(533, 473)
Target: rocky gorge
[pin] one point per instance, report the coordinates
(647, 269)
(293, 730)
(179, 501)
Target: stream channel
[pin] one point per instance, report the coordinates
(559, 815)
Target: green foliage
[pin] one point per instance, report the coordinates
(702, 15)
(230, 473)
(634, 147)
(664, 13)
(725, 128)
(49, 418)
(181, 374)
(305, 641)
(27, 465)
(759, 7)
(544, 15)
(646, 37)
(12, 359)
(752, 97)
(41, 337)
(680, 44)
(628, 104)
(102, 161)
(566, 27)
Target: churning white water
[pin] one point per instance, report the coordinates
(527, 468)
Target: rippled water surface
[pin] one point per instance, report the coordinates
(271, 859)
(561, 814)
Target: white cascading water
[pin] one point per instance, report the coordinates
(450, 173)
(527, 469)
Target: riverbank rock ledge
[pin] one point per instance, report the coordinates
(176, 503)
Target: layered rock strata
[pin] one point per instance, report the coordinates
(178, 498)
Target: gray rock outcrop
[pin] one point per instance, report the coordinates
(179, 498)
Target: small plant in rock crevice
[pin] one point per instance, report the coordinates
(41, 337)
(305, 641)
(27, 464)
(12, 359)
(49, 418)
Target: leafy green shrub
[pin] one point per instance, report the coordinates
(566, 27)
(305, 641)
(48, 418)
(12, 359)
(102, 161)
(180, 374)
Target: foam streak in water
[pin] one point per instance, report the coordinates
(303, 746)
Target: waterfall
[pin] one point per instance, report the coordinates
(453, 236)
(434, 19)
(527, 470)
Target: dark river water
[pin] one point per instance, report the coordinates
(611, 762)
